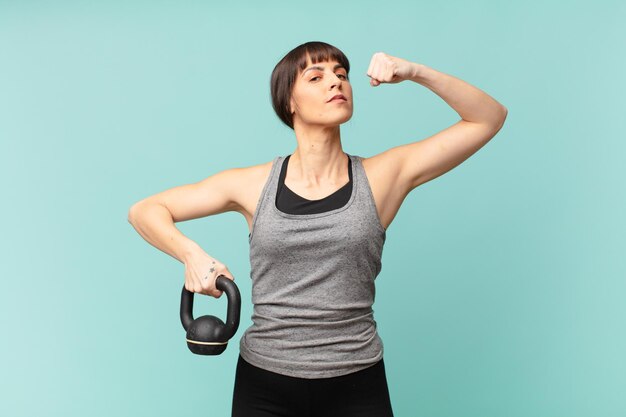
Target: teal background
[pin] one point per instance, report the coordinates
(502, 288)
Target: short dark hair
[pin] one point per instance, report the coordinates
(285, 72)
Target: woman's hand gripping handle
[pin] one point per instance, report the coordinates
(201, 271)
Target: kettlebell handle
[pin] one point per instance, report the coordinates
(224, 284)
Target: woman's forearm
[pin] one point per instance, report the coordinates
(471, 103)
(155, 224)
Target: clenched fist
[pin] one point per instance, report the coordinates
(389, 69)
(201, 272)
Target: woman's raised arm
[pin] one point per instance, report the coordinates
(481, 118)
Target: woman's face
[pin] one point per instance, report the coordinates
(312, 96)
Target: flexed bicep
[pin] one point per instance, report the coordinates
(432, 157)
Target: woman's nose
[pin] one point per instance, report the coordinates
(336, 82)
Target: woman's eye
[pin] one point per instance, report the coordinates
(342, 76)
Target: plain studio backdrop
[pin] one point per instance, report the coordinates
(502, 286)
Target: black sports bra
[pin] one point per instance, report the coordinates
(289, 202)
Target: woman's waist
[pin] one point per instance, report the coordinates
(297, 335)
(313, 314)
(307, 324)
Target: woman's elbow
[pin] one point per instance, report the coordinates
(132, 213)
(501, 118)
(135, 211)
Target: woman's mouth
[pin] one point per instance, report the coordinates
(338, 97)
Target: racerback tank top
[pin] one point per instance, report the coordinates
(313, 284)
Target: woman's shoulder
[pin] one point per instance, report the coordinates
(253, 177)
(379, 164)
(253, 172)
(250, 182)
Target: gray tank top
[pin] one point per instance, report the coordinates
(313, 285)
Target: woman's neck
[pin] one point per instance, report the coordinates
(319, 158)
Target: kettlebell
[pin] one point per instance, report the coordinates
(208, 335)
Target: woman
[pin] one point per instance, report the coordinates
(317, 221)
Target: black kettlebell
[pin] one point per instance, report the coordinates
(208, 335)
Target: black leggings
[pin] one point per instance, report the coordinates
(261, 393)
